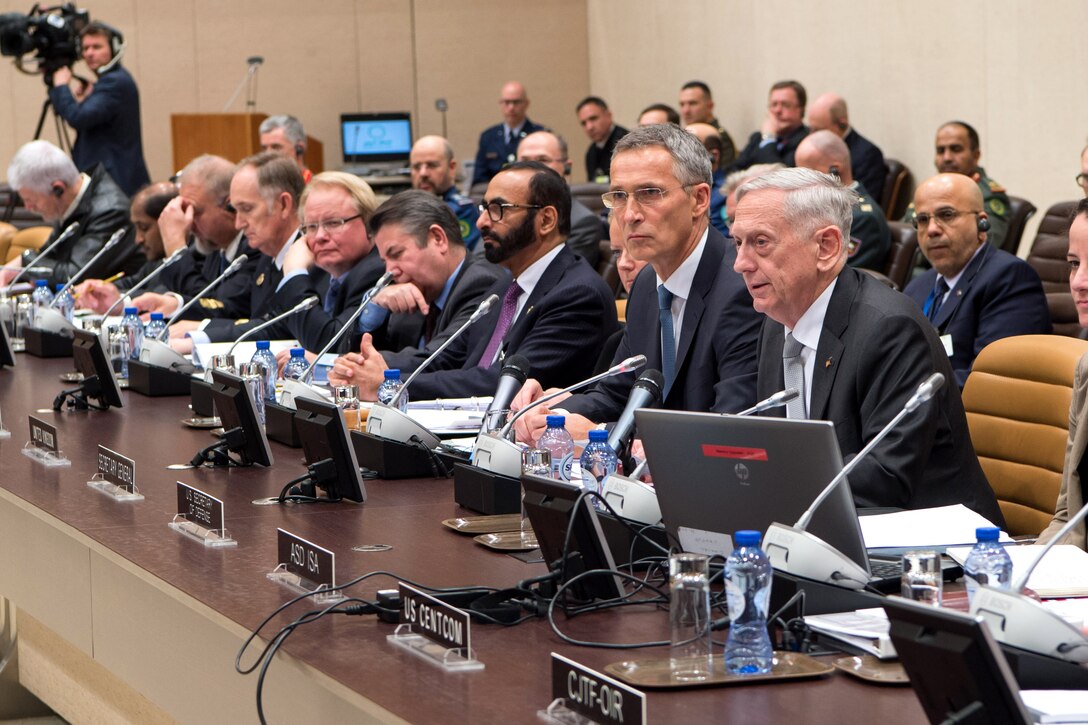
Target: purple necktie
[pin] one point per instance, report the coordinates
(506, 317)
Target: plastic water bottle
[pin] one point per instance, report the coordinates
(557, 441)
(135, 331)
(41, 297)
(296, 366)
(988, 563)
(267, 360)
(65, 303)
(598, 462)
(154, 326)
(390, 387)
(748, 593)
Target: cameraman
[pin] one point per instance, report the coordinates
(105, 113)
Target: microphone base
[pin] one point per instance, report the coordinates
(162, 355)
(496, 454)
(43, 343)
(393, 425)
(294, 389)
(156, 382)
(393, 459)
(800, 553)
(486, 491)
(200, 398)
(279, 424)
(1022, 622)
(632, 499)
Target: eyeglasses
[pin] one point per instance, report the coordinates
(943, 217)
(331, 226)
(495, 209)
(650, 196)
(1082, 179)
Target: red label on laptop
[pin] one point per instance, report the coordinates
(744, 454)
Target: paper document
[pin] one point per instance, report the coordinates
(447, 421)
(1063, 573)
(1056, 706)
(242, 353)
(477, 403)
(864, 629)
(923, 528)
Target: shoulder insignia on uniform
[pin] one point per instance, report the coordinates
(260, 279)
(465, 228)
(997, 206)
(852, 246)
(241, 322)
(211, 303)
(867, 208)
(995, 187)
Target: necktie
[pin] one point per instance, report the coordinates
(668, 339)
(506, 317)
(794, 369)
(938, 298)
(332, 296)
(430, 322)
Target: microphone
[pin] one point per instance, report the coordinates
(645, 393)
(234, 266)
(255, 60)
(775, 401)
(386, 420)
(793, 550)
(112, 242)
(515, 371)
(68, 232)
(302, 306)
(1020, 621)
(145, 281)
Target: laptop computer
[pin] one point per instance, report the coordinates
(716, 474)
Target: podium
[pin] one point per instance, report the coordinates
(234, 136)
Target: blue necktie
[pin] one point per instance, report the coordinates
(936, 299)
(668, 339)
(332, 296)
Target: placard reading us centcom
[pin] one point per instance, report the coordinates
(433, 619)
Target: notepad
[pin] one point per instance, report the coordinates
(1063, 573)
(1056, 706)
(934, 528)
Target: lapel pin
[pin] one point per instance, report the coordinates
(827, 363)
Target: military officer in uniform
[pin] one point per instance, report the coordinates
(434, 169)
(499, 144)
(958, 152)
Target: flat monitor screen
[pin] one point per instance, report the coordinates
(98, 378)
(376, 137)
(238, 412)
(324, 437)
(7, 354)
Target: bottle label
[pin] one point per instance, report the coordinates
(561, 469)
(734, 597)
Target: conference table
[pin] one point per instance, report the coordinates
(121, 618)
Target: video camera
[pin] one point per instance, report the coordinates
(52, 33)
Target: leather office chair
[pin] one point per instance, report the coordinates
(1017, 402)
(13, 212)
(1047, 257)
(7, 231)
(897, 189)
(1020, 210)
(900, 263)
(29, 238)
(590, 195)
(607, 269)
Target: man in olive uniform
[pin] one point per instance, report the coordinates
(434, 169)
(697, 106)
(957, 152)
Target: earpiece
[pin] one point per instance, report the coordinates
(58, 190)
(299, 149)
(834, 171)
(983, 224)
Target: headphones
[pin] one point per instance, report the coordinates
(983, 224)
(117, 45)
(299, 149)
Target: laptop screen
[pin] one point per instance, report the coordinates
(376, 137)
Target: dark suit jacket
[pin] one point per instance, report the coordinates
(585, 233)
(195, 271)
(716, 355)
(108, 122)
(755, 153)
(599, 160)
(314, 328)
(569, 315)
(398, 338)
(266, 278)
(998, 296)
(874, 351)
(866, 163)
(101, 212)
(493, 152)
(870, 237)
(131, 280)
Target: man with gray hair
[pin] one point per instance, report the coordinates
(50, 185)
(284, 135)
(688, 312)
(855, 349)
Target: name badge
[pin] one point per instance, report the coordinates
(595, 696)
(433, 619)
(306, 560)
(198, 507)
(946, 340)
(117, 469)
(43, 435)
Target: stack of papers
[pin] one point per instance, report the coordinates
(1056, 706)
(242, 353)
(934, 528)
(864, 629)
(1063, 573)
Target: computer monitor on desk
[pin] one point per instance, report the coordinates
(376, 143)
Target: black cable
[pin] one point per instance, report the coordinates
(614, 603)
(287, 487)
(439, 469)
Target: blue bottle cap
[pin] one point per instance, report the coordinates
(132, 311)
(392, 374)
(557, 421)
(41, 282)
(987, 533)
(59, 286)
(746, 538)
(156, 316)
(598, 435)
(298, 352)
(261, 344)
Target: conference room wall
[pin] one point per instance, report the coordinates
(1011, 69)
(326, 58)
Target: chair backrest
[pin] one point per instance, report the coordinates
(1020, 210)
(900, 262)
(897, 183)
(7, 231)
(1017, 400)
(590, 195)
(1047, 258)
(29, 238)
(607, 268)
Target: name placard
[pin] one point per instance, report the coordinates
(117, 469)
(305, 559)
(201, 509)
(433, 619)
(595, 696)
(43, 435)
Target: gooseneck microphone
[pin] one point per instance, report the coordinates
(112, 242)
(302, 306)
(514, 373)
(645, 393)
(483, 308)
(68, 232)
(146, 280)
(775, 401)
(794, 550)
(632, 363)
(233, 267)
